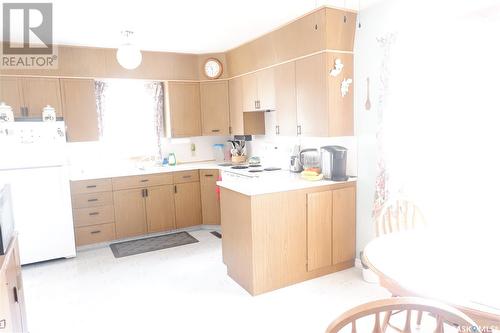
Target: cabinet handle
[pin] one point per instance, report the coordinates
(146, 192)
(94, 213)
(144, 180)
(209, 175)
(277, 130)
(215, 131)
(95, 232)
(230, 130)
(91, 186)
(92, 200)
(143, 193)
(16, 297)
(175, 188)
(186, 177)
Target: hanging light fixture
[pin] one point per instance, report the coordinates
(128, 55)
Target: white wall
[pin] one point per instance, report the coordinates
(445, 76)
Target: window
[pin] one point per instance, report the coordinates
(131, 116)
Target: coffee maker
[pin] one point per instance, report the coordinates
(333, 163)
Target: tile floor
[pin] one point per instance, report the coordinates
(182, 289)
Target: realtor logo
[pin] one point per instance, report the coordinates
(27, 36)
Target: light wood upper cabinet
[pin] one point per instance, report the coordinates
(286, 99)
(184, 109)
(215, 107)
(11, 93)
(321, 108)
(187, 205)
(311, 83)
(236, 106)
(258, 90)
(40, 92)
(80, 113)
(210, 203)
(130, 213)
(160, 208)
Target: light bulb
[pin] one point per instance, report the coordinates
(129, 56)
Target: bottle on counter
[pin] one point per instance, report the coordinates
(171, 159)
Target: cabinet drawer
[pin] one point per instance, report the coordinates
(95, 234)
(91, 186)
(207, 176)
(122, 183)
(186, 176)
(92, 199)
(93, 215)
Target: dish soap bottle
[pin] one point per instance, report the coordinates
(171, 159)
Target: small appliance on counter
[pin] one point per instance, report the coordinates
(295, 165)
(219, 152)
(6, 113)
(333, 162)
(309, 158)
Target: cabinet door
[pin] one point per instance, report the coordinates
(12, 293)
(187, 205)
(319, 230)
(236, 106)
(266, 89)
(80, 112)
(344, 225)
(341, 107)
(210, 204)
(40, 92)
(214, 108)
(11, 93)
(286, 99)
(130, 213)
(184, 107)
(311, 82)
(160, 209)
(250, 92)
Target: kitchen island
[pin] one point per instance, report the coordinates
(281, 230)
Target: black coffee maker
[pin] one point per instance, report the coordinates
(333, 163)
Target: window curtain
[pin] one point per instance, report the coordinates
(130, 116)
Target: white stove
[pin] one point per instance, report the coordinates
(249, 171)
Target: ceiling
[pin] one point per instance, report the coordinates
(190, 26)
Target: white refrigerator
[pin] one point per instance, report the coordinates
(33, 161)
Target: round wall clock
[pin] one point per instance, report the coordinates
(212, 68)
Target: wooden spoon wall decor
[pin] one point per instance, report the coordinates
(368, 104)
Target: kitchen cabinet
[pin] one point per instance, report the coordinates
(331, 224)
(285, 99)
(187, 204)
(184, 109)
(236, 106)
(214, 108)
(40, 92)
(80, 111)
(258, 90)
(210, 204)
(11, 93)
(321, 108)
(160, 210)
(12, 306)
(130, 212)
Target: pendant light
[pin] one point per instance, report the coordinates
(128, 55)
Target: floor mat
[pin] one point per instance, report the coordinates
(137, 246)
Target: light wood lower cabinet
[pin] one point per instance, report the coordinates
(130, 212)
(12, 306)
(160, 209)
(210, 203)
(331, 227)
(95, 234)
(187, 205)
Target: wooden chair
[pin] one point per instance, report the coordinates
(442, 315)
(398, 216)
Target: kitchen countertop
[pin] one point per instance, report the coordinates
(234, 180)
(273, 182)
(117, 171)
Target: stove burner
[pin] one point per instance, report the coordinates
(272, 169)
(255, 170)
(254, 166)
(239, 167)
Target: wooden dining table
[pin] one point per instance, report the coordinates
(460, 268)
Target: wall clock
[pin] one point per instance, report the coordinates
(212, 68)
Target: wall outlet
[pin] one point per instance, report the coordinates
(193, 149)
